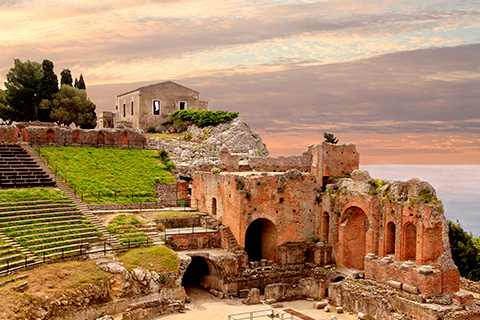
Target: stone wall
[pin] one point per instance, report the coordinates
(41, 133)
(194, 241)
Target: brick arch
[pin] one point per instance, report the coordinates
(390, 233)
(353, 247)
(409, 242)
(261, 240)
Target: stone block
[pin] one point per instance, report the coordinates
(409, 288)
(263, 263)
(395, 284)
(21, 287)
(270, 301)
(334, 318)
(253, 297)
(277, 305)
(243, 293)
(407, 265)
(326, 309)
(339, 309)
(462, 298)
(362, 316)
(426, 270)
(320, 304)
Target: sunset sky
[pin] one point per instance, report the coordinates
(401, 79)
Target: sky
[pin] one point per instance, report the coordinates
(400, 79)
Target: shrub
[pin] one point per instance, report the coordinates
(215, 170)
(152, 129)
(201, 118)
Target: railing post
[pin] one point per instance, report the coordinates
(8, 265)
(62, 253)
(26, 262)
(104, 248)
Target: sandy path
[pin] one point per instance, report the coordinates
(204, 306)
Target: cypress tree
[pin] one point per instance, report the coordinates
(81, 83)
(47, 88)
(66, 77)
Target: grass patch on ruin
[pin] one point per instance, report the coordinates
(175, 215)
(49, 282)
(109, 175)
(124, 227)
(27, 194)
(154, 258)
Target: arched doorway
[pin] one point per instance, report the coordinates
(390, 238)
(356, 227)
(196, 271)
(410, 242)
(214, 206)
(100, 138)
(50, 136)
(261, 240)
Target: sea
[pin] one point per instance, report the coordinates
(457, 186)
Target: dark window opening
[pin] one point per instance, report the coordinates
(124, 110)
(131, 108)
(182, 105)
(156, 107)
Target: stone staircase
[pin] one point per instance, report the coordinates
(13, 255)
(19, 170)
(151, 232)
(112, 240)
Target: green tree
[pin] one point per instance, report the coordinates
(464, 252)
(71, 105)
(81, 83)
(22, 85)
(66, 77)
(47, 88)
(5, 110)
(330, 138)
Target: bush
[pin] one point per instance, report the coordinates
(201, 118)
(152, 129)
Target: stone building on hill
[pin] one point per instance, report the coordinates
(152, 105)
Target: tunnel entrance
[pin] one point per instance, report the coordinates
(261, 240)
(196, 271)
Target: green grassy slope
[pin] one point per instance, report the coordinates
(109, 172)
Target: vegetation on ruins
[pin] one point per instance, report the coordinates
(154, 258)
(32, 94)
(464, 252)
(48, 282)
(201, 118)
(330, 138)
(110, 175)
(124, 227)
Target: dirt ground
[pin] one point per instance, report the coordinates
(204, 306)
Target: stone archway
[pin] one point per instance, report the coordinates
(355, 238)
(261, 240)
(195, 272)
(50, 135)
(390, 238)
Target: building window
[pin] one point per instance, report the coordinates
(182, 105)
(156, 107)
(124, 109)
(131, 107)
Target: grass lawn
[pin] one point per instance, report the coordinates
(109, 175)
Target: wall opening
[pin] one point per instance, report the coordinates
(196, 271)
(100, 138)
(214, 206)
(325, 227)
(50, 136)
(356, 227)
(390, 238)
(261, 240)
(182, 105)
(410, 242)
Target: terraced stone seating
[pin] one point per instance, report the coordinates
(18, 169)
(47, 228)
(11, 257)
